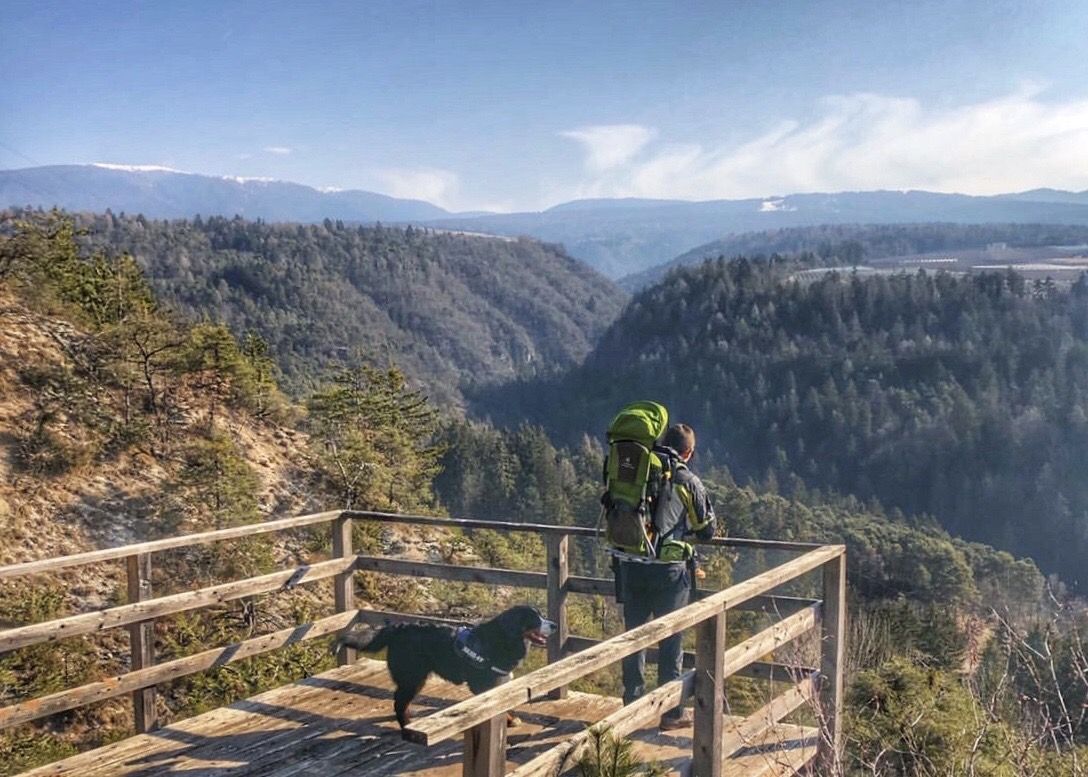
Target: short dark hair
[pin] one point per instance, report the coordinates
(681, 438)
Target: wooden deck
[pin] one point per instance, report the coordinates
(341, 723)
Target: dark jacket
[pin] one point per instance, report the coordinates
(687, 510)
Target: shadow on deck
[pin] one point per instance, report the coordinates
(341, 723)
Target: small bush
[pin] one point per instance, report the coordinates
(24, 748)
(45, 454)
(609, 757)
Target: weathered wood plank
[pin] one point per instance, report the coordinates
(773, 605)
(343, 585)
(625, 721)
(217, 727)
(331, 725)
(758, 670)
(488, 575)
(294, 522)
(558, 574)
(460, 717)
(771, 670)
(592, 586)
(774, 636)
(832, 644)
(185, 540)
(544, 529)
(782, 751)
(170, 670)
(296, 720)
(380, 618)
(706, 740)
(756, 726)
(86, 623)
(141, 641)
(485, 749)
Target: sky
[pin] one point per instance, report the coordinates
(519, 105)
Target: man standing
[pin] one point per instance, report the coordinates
(656, 587)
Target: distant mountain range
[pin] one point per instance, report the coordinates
(159, 192)
(624, 237)
(617, 237)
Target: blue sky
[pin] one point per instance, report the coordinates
(520, 105)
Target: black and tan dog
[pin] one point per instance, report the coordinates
(481, 656)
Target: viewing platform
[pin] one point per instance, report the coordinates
(340, 722)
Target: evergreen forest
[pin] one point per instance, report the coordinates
(915, 417)
(958, 399)
(452, 310)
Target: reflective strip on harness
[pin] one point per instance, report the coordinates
(463, 647)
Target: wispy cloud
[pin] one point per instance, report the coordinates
(610, 145)
(436, 186)
(279, 150)
(868, 141)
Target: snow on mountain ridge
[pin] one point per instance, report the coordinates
(139, 168)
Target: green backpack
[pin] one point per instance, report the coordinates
(634, 475)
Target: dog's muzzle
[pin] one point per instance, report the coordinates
(539, 635)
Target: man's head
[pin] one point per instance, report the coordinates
(681, 438)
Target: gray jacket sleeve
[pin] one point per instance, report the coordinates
(700, 513)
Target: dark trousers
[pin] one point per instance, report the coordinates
(650, 591)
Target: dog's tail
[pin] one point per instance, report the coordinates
(361, 642)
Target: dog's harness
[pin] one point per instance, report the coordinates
(467, 648)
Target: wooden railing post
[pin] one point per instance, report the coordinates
(833, 635)
(141, 641)
(558, 573)
(485, 749)
(709, 697)
(343, 585)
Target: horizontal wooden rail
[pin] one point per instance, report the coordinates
(171, 670)
(489, 575)
(281, 524)
(594, 586)
(464, 715)
(86, 623)
(185, 540)
(798, 616)
(774, 636)
(780, 605)
(545, 529)
(625, 721)
(378, 618)
(757, 670)
(766, 717)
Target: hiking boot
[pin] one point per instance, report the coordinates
(674, 722)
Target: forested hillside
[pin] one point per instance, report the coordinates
(849, 244)
(123, 422)
(119, 423)
(449, 309)
(964, 398)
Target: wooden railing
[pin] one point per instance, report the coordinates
(481, 719)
